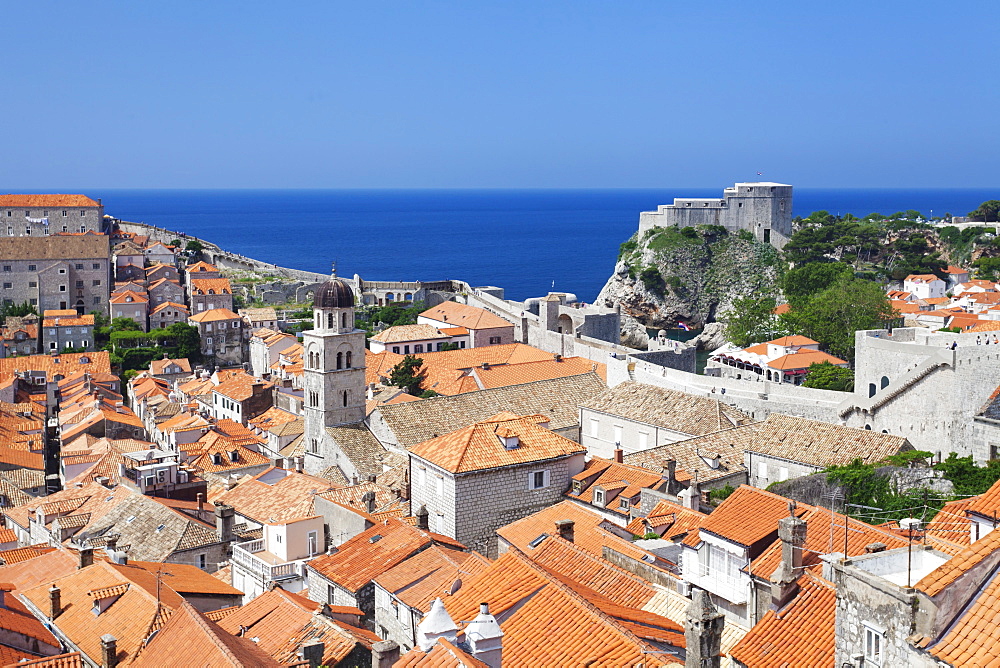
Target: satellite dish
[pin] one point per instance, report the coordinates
(455, 586)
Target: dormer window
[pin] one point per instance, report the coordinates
(599, 497)
(577, 486)
(623, 504)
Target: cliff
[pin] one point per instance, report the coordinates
(690, 275)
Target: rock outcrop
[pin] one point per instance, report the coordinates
(689, 275)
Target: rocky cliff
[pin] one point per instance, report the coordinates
(689, 275)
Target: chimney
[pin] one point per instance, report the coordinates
(5, 588)
(313, 653)
(278, 462)
(201, 505)
(109, 651)
(86, 557)
(224, 518)
(385, 654)
(703, 632)
(619, 455)
(437, 623)
(670, 471)
(872, 548)
(484, 637)
(368, 498)
(691, 497)
(300, 463)
(422, 516)
(55, 601)
(565, 529)
(792, 534)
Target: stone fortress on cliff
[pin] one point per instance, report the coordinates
(764, 209)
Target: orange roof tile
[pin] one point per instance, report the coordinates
(65, 364)
(165, 305)
(42, 201)
(374, 551)
(205, 286)
(423, 577)
(986, 504)
(188, 578)
(794, 340)
(275, 495)
(670, 520)
(214, 315)
(463, 315)
(748, 516)
(947, 573)
(629, 480)
(548, 619)
(442, 655)
(972, 639)
(803, 359)
(70, 660)
(129, 297)
(189, 634)
(503, 440)
(201, 267)
(800, 634)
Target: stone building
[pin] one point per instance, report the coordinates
(205, 294)
(56, 272)
(333, 375)
(165, 314)
(132, 305)
(762, 208)
(477, 479)
(41, 215)
(222, 335)
(67, 329)
(484, 328)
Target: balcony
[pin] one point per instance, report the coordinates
(251, 556)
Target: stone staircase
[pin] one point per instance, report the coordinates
(938, 359)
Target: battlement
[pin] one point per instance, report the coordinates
(762, 208)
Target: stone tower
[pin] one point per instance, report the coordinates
(703, 626)
(333, 356)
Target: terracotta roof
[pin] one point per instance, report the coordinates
(41, 568)
(43, 201)
(825, 534)
(803, 359)
(592, 532)
(952, 269)
(747, 517)
(188, 633)
(214, 315)
(483, 445)
(670, 409)
(201, 267)
(668, 519)
(374, 551)
(70, 660)
(947, 573)
(430, 574)
(204, 286)
(821, 444)
(139, 611)
(462, 315)
(188, 579)
(17, 555)
(442, 655)
(283, 622)
(159, 366)
(922, 278)
(165, 305)
(68, 320)
(952, 523)
(728, 444)
(275, 495)
(240, 387)
(794, 340)
(972, 639)
(400, 333)
(219, 457)
(591, 628)
(986, 326)
(418, 421)
(527, 372)
(96, 362)
(800, 634)
(628, 480)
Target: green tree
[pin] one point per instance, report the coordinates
(832, 316)
(16, 310)
(826, 376)
(187, 341)
(194, 246)
(751, 320)
(176, 243)
(407, 375)
(988, 212)
(808, 279)
(125, 325)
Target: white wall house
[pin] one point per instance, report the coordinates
(924, 286)
(279, 556)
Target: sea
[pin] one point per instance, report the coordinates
(528, 242)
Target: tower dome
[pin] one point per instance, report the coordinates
(335, 293)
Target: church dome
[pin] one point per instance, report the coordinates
(335, 293)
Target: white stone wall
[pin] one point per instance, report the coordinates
(762, 470)
(395, 622)
(634, 436)
(470, 508)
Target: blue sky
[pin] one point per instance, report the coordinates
(506, 94)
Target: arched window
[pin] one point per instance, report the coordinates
(884, 382)
(340, 360)
(318, 321)
(348, 359)
(871, 390)
(343, 320)
(345, 398)
(329, 321)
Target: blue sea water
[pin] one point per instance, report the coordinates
(526, 241)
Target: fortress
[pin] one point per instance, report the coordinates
(764, 209)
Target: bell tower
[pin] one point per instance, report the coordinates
(333, 357)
